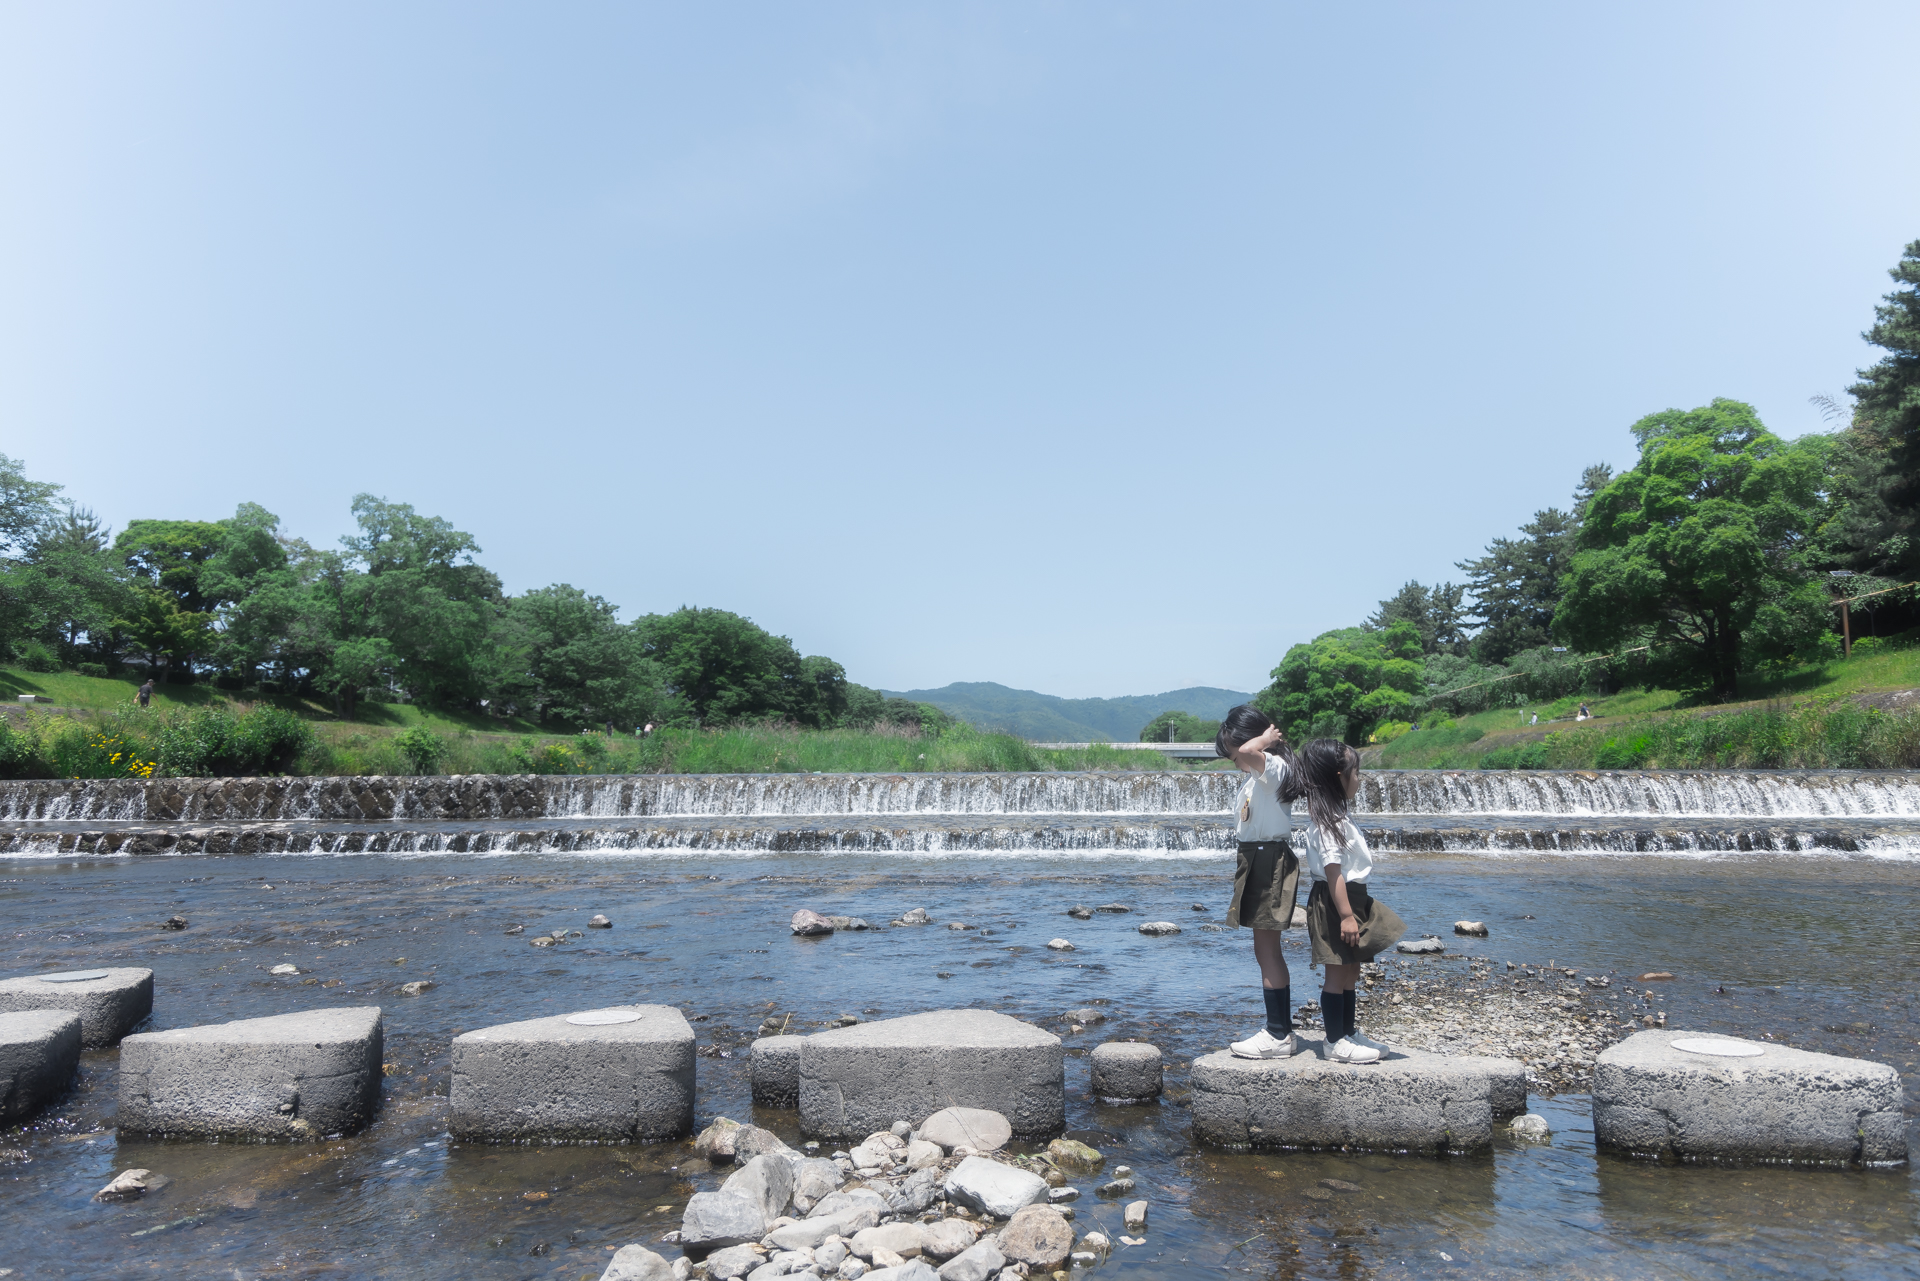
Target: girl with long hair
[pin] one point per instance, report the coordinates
(1347, 926)
(1266, 879)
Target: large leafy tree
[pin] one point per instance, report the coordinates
(726, 667)
(1344, 683)
(567, 656)
(1698, 550)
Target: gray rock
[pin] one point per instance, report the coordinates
(109, 1007)
(813, 1178)
(1298, 921)
(1086, 1017)
(637, 1263)
(289, 1076)
(915, 916)
(1158, 928)
(1037, 1236)
(130, 1185)
(1529, 1125)
(808, 923)
(765, 1181)
(1410, 1101)
(981, 1129)
(775, 1067)
(715, 1143)
(852, 1269)
(1126, 1071)
(548, 1079)
(857, 1079)
(980, 1183)
(922, 1155)
(716, 1220)
(803, 1234)
(39, 1051)
(1136, 1215)
(1113, 907)
(1059, 945)
(1474, 929)
(947, 1238)
(733, 1262)
(917, 1191)
(1080, 913)
(1062, 1195)
(1653, 1099)
(1420, 947)
(599, 923)
(911, 1270)
(750, 1141)
(975, 1263)
(831, 1255)
(901, 1238)
(843, 1205)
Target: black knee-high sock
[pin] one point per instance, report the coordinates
(1352, 995)
(1279, 1010)
(1333, 1012)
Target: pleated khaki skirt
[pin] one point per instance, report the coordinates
(1380, 926)
(1266, 885)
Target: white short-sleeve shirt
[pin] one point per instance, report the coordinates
(1349, 852)
(1259, 813)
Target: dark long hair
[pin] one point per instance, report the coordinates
(1241, 725)
(1315, 774)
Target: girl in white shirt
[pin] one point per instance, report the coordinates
(1346, 925)
(1266, 880)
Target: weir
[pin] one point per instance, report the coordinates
(1170, 813)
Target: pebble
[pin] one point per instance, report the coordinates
(417, 987)
(1157, 928)
(1530, 1125)
(1080, 913)
(284, 969)
(174, 923)
(1088, 1015)
(516, 929)
(917, 916)
(1115, 1187)
(808, 923)
(1653, 977)
(1197, 907)
(599, 923)
(1059, 945)
(1113, 907)
(1477, 929)
(958, 925)
(1419, 947)
(1340, 1185)
(131, 1185)
(1136, 1215)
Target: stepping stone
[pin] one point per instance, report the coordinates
(1410, 1101)
(775, 1066)
(110, 1002)
(300, 1076)
(620, 1074)
(39, 1050)
(856, 1080)
(1126, 1072)
(1705, 1097)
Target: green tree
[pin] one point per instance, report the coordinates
(1344, 683)
(1175, 726)
(1699, 549)
(1435, 612)
(1516, 585)
(570, 658)
(726, 667)
(25, 506)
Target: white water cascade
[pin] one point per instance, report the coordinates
(1174, 813)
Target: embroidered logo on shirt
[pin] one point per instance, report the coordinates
(1246, 810)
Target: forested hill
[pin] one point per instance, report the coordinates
(1069, 720)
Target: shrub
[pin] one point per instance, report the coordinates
(422, 748)
(215, 743)
(1526, 756)
(96, 670)
(36, 656)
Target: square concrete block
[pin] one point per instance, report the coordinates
(110, 1002)
(289, 1076)
(856, 1080)
(1705, 1097)
(775, 1065)
(1410, 1101)
(39, 1049)
(623, 1074)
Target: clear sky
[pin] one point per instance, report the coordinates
(1094, 348)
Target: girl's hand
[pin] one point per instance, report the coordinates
(1350, 931)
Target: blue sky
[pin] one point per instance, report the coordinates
(1098, 349)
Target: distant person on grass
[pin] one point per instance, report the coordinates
(1266, 879)
(1346, 926)
(146, 692)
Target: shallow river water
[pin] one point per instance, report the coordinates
(1815, 951)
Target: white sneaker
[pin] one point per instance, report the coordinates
(1265, 1045)
(1347, 1050)
(1362, 1039)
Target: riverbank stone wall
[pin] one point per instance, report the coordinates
(109, 1005)
(1409, 1101)
(623, 1074)
(1706, 1097)
(39, 1051)
(857, 1080)
(298, 1077)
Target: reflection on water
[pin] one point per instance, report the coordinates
(1817, 955)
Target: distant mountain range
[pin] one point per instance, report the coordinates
(1067, 720)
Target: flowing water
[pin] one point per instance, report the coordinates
(1785, 904)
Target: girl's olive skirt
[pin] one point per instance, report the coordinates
(1380, 926)
(1266, 884)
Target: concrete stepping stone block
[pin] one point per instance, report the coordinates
(1705, 1097)
(289, 1076)
(1126, 1072)
(1410, 1101)
(39, 1050)
(623, 1074)
(856, 1080)
(110, 1002)
(774, 1064)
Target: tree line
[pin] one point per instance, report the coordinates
(1720, 553)
(401, 611)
